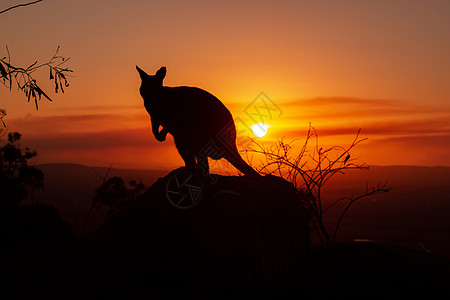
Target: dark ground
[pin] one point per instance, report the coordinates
(213, 252)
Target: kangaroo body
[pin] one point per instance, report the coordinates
(200, 124)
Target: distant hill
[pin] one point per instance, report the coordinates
(414, 214)
(245, 238)
(70, 188)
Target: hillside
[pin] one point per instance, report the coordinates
(245, 238)
(70, 188)
(413, 214)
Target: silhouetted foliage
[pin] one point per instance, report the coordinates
(23, 76)
(310, 170)
(17, 177)
(116, 195)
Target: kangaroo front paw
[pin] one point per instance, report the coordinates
(161, 138)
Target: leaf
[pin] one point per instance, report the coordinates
(51, 74)
(41, 92)
(3, 71)
(347, 158)
(10, 82)
(61, 86)
(28, 93)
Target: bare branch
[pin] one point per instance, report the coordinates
(380, 189)
(310, 170)
(25, 81)
(19, 5)
(93, 204)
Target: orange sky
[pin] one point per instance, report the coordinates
(382, 66)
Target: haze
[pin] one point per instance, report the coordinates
(382, 66)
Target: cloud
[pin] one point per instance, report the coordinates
(35, 125)
(99, 140)
(101, 136)
(397, 132)
(338, 107)
(338, 116)
(436, 126)
(327, 101)
(427, 150)
(95, 139)
(126, 148)
(101, 109)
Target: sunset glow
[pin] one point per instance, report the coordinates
(381, 66)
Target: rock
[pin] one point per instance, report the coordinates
(376, 271)
(244, 237)
(261, 219)
(32, 227)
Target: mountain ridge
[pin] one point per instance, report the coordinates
(413, 214)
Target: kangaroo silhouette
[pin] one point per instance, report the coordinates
(200, 124)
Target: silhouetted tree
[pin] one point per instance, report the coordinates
(310, 170)
(17, 177)
(116, 195)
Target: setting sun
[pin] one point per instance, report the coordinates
(260, 129)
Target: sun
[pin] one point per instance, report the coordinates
(260, 129)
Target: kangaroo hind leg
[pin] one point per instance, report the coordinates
(202, 162)
(188, 157)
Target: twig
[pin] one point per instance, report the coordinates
(25, 81)
(313, 170)
(378, 190)
(93, 201)
(20, 5)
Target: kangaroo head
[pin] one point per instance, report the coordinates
(150, 84)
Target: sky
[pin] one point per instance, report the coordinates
(382, 66)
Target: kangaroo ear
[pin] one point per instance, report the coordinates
(161, 73)
(142, 73)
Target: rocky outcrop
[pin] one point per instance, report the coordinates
(189, 236)
(32, 227)
(243, 238)
(259, 221)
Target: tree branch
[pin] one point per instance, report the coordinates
(310, 170)
(19, 5)
(25, 80)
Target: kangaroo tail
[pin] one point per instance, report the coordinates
(236, 160)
